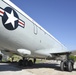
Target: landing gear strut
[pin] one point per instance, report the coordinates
(67, 64)
(1, 57)
(34, 60)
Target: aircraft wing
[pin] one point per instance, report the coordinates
(51, 51)
(54, 53)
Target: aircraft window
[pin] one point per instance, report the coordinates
(35, 29)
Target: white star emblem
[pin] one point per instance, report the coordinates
(11, 18)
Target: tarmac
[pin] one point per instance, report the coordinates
(47, 68)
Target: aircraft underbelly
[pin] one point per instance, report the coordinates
(18, 31)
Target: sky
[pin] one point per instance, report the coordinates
(58, 17)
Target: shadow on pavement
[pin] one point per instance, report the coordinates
(15, 67)
(8, 67)
(42, 65)
(45, 65)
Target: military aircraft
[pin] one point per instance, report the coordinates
(21, 35)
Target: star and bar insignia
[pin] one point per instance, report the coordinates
(10, 19)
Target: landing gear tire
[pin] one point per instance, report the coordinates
(25, 63)
(62, 65)
(30, 63)
(70, 66)
(66, 65)
(20, 62)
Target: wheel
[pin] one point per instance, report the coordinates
(25, 63)
(30, 63)
(20, 62)
(70, 66)
(62, 65)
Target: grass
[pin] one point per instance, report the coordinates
(73, 57)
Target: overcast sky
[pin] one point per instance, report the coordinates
(58, 17)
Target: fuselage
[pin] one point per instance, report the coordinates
(30, 36)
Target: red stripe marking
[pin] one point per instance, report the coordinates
(2, 12)
(21, 23)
